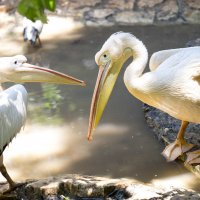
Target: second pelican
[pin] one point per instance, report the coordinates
(172, 85)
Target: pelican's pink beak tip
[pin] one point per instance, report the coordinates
(84, 83)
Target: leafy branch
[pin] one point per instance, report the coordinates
(35, 9)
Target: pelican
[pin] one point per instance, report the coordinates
(172, 85)
(32, 30)
(13, 101)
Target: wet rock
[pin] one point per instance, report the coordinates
(75, 186)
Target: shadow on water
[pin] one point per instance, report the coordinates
(123, 144)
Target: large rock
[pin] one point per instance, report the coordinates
(74, 186)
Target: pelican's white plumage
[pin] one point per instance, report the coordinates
(172, 85)
(13, 107)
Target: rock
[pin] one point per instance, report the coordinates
(193, 43)
(76, 4)
(168, 11)
(120, 4)
(74, 186)
(100, 13)
(148, 3)
(192, 16)
(137, 17)
(193, 4)
(131, 12)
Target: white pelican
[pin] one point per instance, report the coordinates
(32, 30)
(13, 101)
(172, 85)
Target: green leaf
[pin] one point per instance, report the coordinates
(49, 4)
(35, 9)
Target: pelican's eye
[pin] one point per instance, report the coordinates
(104, 58)
(17, 62)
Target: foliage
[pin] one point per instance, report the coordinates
(35, 9)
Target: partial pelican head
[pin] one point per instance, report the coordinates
(16, 69)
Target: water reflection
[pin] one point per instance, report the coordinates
(49, 104)
(123, 144)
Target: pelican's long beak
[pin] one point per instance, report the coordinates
(106, 79)
(32, 73)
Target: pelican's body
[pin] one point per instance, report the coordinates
(13, 101)
(13, 108)
(32, 30)
(172, 85)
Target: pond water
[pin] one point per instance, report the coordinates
(54, 140)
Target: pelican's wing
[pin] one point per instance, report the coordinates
(13, 108)
(181, 73)
(160, 56)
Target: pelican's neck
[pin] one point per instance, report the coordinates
(140, 58)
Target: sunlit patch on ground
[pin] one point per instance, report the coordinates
(44, 150)
(183, 181)
(59, 27)
(39, 151)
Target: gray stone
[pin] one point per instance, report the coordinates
(100, 13)
(148, 3)
(192, 16)
(193, 4)
(168, 11)
(120, 4)
(76, 4)
(128, 17)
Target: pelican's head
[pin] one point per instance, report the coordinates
(16, 69)
(110, 59)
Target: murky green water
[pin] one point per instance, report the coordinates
(123, 146)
